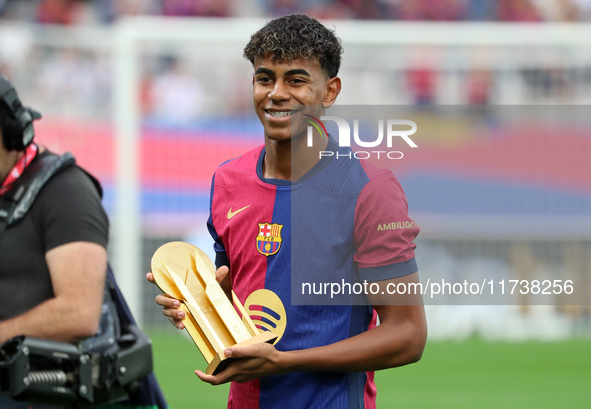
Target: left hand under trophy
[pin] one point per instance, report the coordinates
(184, 272)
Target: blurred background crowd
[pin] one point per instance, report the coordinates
(106, 11)
(82, 77)
(76, 80)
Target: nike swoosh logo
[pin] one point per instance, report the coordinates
(232, 214)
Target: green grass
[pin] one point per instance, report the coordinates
(478, 374)
(458, 375)
(175, 360)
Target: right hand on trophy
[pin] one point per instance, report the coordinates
(170, 305)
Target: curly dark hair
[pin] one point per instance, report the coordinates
(297, 36)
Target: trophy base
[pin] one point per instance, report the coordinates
(220, 362)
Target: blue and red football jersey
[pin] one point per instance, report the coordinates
(343, 216)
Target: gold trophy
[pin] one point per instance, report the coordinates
(184, 272)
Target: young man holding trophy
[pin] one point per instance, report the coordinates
(276, 209)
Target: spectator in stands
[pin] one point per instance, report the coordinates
(421, 85)
(203, 8)
(70, 83)
(337, 11)
(517, 10)
(110, 10)
(478, 87)
(557, 10)
(284, 7)
(431, 10)
(481, 10)
(63, 12)
(365, 9)
(176, 95)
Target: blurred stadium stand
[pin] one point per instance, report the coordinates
(68, 12)
(194, 110)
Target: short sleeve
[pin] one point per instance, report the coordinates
(221, 257)
(71, 210)
(384, 233)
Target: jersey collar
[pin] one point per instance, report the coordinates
(332, 146)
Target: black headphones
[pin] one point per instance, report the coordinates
(17, 125)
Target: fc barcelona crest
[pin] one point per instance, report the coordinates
(269, 238)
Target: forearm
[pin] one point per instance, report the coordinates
(380, 348)
(398, 340)
(57, 319)
(393, 343)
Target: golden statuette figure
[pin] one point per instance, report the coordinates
(184, 272)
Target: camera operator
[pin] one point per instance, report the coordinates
(53, 262)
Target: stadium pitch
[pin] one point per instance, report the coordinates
(458, 375)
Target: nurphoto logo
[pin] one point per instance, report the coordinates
(392, 131)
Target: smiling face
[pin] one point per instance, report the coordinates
(284, 90)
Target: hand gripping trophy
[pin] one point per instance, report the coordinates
(184, 272)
